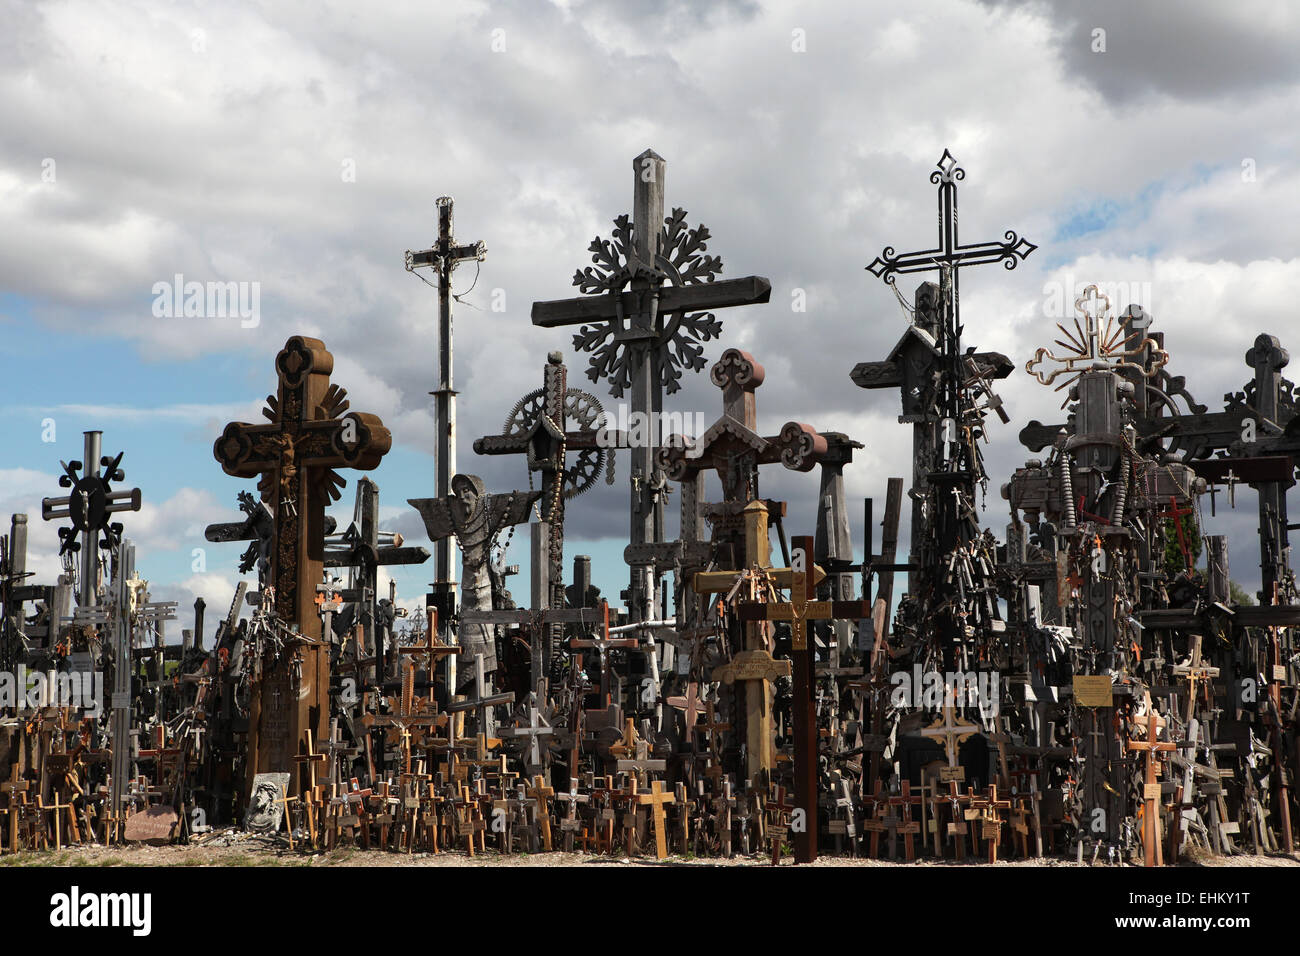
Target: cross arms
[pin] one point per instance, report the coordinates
(719, 582)
(994, 365)
(750, 290)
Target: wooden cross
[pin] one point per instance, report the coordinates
(908, 827)
(1151, 788)
(602, 646)
(780, 810)
(802, 608)
(645, 316)
(540, 793)
(294, 456)
(284, 802)
(1176, 515)
(950, 732)
(633, 753)
(1194, 671)
(536, 727)
(689, 705)
(987, 808)
(656, 800)
(570, 825)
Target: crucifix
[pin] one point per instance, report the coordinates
(645, 316)
(89, 503)
(443, 258)
(802, 608)
(602, 645)
(364, 548)
(547, 425)
(1150, 787)
(950, 732)
(294, 455)
(927, 362)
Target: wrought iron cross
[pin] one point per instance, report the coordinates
(950, 255)
(89, 504)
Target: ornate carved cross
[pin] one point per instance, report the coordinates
(307, 436)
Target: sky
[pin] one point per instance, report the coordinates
(297, 149)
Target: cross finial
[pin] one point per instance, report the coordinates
(1089, 305)
(947, 170)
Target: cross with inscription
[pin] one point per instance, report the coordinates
(294, 455)
(644, 317)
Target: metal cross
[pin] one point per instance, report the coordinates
(443, 257)
(950, 255)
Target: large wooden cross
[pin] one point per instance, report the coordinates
(798, 611)
(294, 455)
(645, 317)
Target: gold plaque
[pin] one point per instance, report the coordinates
(1092, 690)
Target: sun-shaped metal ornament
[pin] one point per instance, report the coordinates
(682, 260)
(90, 502)
(1098, 341)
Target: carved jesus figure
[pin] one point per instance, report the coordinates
(474, 518)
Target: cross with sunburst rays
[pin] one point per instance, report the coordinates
(1099, 341)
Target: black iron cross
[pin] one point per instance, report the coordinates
(88, 505)
(950, 255)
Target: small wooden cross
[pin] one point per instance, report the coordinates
(571, 824)
(1152, 853)
(656, 799)
(540, 793)
(908, 827)
(284, 802)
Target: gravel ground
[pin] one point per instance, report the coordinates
(238, 849)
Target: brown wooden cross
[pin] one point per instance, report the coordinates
(656, 799)
(1152, 853)
(540, 792)
(294, 457)
(802, 608)
(950, 732)
(284, 802)
(1193, 671)
(908, 827)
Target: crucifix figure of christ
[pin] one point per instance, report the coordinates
(475, 518)
(443, 258)
(1151, 798)
(801, 609)
(645, 316)
(306, 437)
